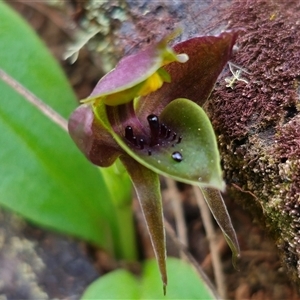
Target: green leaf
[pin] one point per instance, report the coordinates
(119, 284)
(119, 185)
(42, 174)
(184, 283)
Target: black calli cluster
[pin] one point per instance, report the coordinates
(160, 135)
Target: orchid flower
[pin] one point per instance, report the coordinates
(146, 112)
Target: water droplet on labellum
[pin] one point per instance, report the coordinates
(177, 156)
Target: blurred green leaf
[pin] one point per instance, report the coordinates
(118, 284)
(43, 176)
(120, 187)
(184, 283)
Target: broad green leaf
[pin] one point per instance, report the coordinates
(119, 284)
(184, 283)
(43, 176)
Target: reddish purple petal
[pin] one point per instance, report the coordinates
(91, 138)
(194, 79)
(130, 71)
